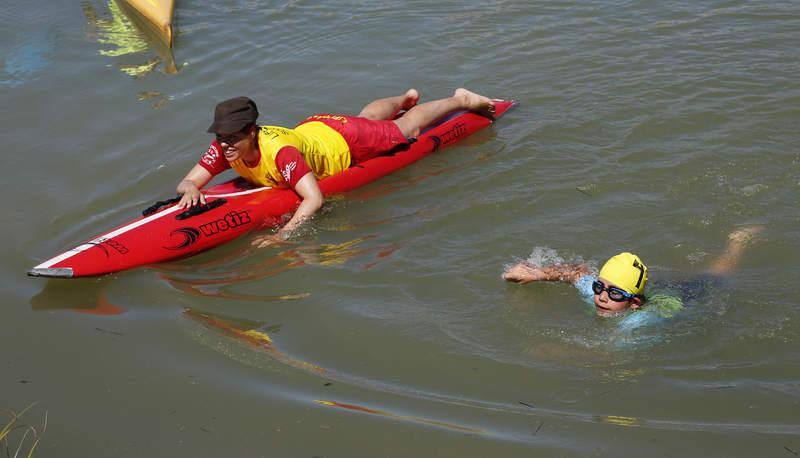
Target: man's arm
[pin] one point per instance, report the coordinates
(308, 190)
(190, 186)
(524, 273)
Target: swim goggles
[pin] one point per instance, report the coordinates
(614, 293)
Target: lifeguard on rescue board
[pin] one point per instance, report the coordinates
(320, 146)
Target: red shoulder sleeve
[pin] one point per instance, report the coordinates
(291, 165)
(213, 159)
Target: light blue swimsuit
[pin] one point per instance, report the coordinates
(665, 303)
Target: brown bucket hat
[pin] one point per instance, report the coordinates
(233, 115)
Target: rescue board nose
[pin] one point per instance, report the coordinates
(58, 272)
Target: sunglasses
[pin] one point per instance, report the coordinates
(230, 139)
(614, 293)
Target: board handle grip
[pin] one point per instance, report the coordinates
(198, 209)
(157, 206)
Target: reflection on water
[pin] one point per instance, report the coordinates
(121, 37)
(619, 421)
(247, 265)
(200, 290)
(252, 333)
(79, 295)
(118, 32)
(255, 335)
(158, 98)
(205, 276)
(328, 254)
(23, 63)
(137, 70)
(394, 416)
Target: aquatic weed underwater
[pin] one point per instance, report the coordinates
(12, 426)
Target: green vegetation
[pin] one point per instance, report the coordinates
(13, 428)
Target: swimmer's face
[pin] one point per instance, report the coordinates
(239, 145)
(607, 307)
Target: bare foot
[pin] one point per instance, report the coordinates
(410, 98)
(737, 241)
(745, 234)
(475, 102)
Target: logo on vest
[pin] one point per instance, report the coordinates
(320, 117)
(287, 171)
(211, 155)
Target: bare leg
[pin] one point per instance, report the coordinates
(389, 107)
(737, 241)
(421, 116)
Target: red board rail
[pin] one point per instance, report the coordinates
(235, 208)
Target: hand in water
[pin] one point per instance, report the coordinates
(263, 241)
(523, 273)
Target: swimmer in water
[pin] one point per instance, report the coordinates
(620, 285)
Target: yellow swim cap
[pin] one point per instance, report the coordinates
(626, 271)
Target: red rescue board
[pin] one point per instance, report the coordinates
(235, 208)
